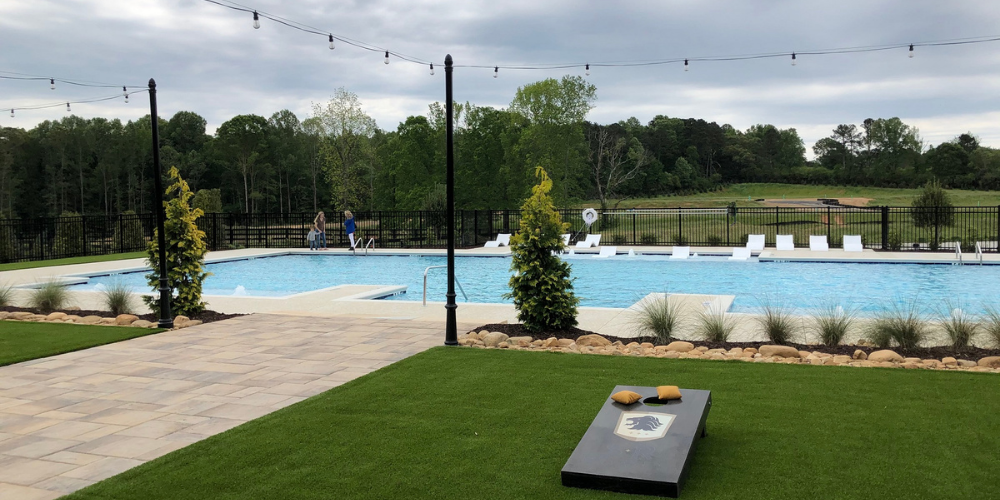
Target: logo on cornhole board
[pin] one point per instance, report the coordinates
(643, 425)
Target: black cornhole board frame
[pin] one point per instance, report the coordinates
(603, 460)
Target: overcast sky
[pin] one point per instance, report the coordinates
(210, 60)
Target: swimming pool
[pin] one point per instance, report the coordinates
(615, 282)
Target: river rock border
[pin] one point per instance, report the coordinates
(596, 344)
(120, 320)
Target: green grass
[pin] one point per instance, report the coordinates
(740, 192)
(23, 341)
(463, 423)
(13, 266)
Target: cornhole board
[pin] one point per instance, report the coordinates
(644, 448)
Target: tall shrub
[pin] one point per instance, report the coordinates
(932, 207)
(69, 234)
(541, 286)
(185, 252)
(129, 232)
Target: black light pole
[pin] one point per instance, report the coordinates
(166, 319)
(451, 327)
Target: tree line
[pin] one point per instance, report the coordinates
(339, 158)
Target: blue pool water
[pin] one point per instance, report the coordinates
(618, 281)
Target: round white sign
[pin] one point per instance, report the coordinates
(590, 216)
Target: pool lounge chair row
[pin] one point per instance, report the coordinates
(817, 243)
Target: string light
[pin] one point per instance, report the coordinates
(52, 83)
(125, 91)
(685, 65)
(432, 69)
(793, 58)
(588, 69)
(496, 71)
(911, 51)
(12, 112)
(117, 95)
(256, 21)
(331, 41)
(386, 57)
(67, 108)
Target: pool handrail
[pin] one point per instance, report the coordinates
(979, 253)
(958, 252)
(456, 282)
(371, 241)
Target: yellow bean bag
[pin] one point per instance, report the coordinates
(668, 392)
(625, 397)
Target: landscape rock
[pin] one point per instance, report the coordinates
(860, 355)
(841, 359)
(181, 318)
(680, 346)
(911, 360)
(565, 342)
(493, 339)
(125, 319)
(4, 314)
(964, 363)
(751, 350)
(551, 342)
(21, 315)
(803, 354)
(56, 316)
(142, 323)
(779, 351)
(949, 361)
(592, 340)
(520, 341)
(701, 349)
(990, 362)
(107, 321)
(89, 320)
(885, 355)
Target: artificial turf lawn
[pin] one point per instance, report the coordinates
(466, 423)
(13, 266)
(22, 340)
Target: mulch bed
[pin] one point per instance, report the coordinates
(204, 316)
(971, 353)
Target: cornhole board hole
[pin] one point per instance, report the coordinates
(643, 448)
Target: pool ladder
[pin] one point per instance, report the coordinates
(979, 253)
(456, 282)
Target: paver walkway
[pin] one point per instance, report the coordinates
(71, 420)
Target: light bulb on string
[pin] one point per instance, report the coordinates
(588, 69)
(685, 65)
(12, 113)
(496, 71)
(256, 21)
(911, 51)
(67, 108)
(793, 58)
(52, 83)
(386, 57)
(432, 70)
(331, 42)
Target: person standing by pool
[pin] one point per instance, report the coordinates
(313, 238)
(320, 222)
(349, 226)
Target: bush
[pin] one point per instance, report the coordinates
(618, 239)
(960, 327)
(899, 324)
(541, 286)
(714, 240)
(119, 298)
(69, 234)
(49, 297)
(185, 253)
(932, 207)
(647, 239)
(6, 295)
(833, 323)
(895, 241)
(680, 240)
(7, 239)
(991, 324)
(777, 324)
(715, 325)
(969, 242)
(129, 232)
(208, 200)
(658, 317)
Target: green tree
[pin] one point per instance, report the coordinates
(932, 207)
(185, 252)
(69, 234)
(242, 141)
(541, 286)
(346, 150)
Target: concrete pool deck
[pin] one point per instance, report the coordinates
(353, 300)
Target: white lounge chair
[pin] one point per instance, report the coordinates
(817, 243)
(680, 253)
(592, 240)
(503, 240)
(565, 239)
(785, 242)
(852, 243)
(607, 252)
(755, 241)
(740, 253)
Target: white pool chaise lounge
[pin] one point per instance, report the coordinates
(740, 253)
(593, 240)
(755, 242)
(607, 252)
(503, 240)
(852, 243)
(565, 239)
(680, 253)
(785, 242)
(817, 243)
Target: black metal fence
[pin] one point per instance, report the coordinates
(880, 228)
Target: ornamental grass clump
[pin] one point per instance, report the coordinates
(541, 287)
(898, 324)
(991, 325)
(49, 297)
(119, 298)
(960, 326)
(833, 323)
(775, 320)
(658, 317)
(6, 294)
(715, 325)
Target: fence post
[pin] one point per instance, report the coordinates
(937, 243)
(121, 237)
(83, 235)
(727, 228)
(998, 228)
(634, 240)
(885, 228)
(680, 227)
(829, 222)
(777, 224)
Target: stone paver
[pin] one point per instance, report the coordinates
(74, 419)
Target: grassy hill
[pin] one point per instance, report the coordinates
(744, 194)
